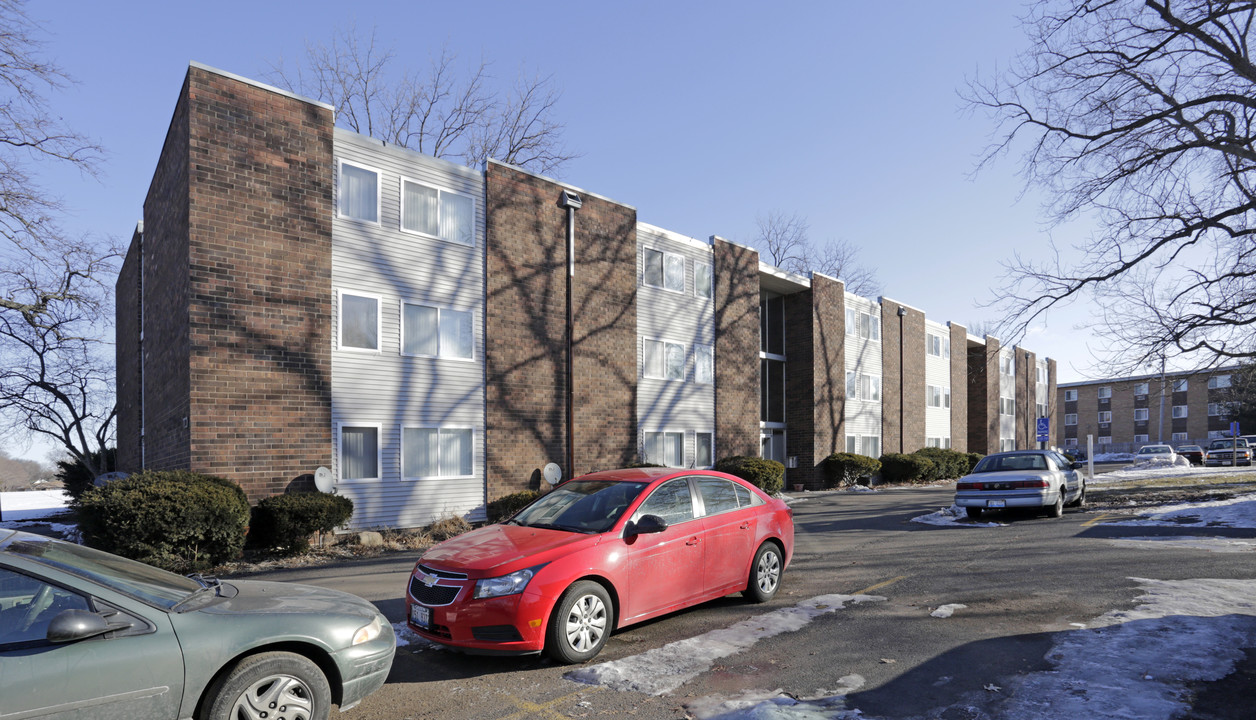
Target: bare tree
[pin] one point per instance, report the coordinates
(54, 290)
(441, 112)
(785, 240)
(1140, 114)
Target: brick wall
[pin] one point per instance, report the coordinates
(1056, 434)
(259, 269)
(736, 349)
(127, 358)
(983, 397)
(815, 377)
(1026, 407)
(903, 380)
(959, 387)
(526, 330)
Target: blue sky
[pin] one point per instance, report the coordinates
(702, 116)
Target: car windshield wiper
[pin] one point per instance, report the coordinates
(552, 526)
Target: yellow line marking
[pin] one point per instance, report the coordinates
(1098, 520)
(880, 585)
(527, 708)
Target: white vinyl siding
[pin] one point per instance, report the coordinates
(863, 364)
(1007, 397)
(404, 385)
(937, 383)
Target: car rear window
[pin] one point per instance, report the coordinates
(1001, 463)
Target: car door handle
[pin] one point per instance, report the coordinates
(692, 541)
(745, 525)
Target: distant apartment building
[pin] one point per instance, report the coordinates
(1176, 408)
(299, 296)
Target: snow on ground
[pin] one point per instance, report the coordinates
(22, 508)
(945, 611)
(664, 669)
(951, 517)
(1161, 468)
(1235, 512)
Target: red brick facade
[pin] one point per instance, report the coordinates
(959, 388)
(736, 349)
(903, 373)
(815, 378)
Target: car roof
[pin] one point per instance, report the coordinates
(651, 474)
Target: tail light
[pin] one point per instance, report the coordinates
(1003, 485)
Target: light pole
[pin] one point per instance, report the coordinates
(570, 202)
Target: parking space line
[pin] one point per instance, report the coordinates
(1095, 521)
(880, 585)
(527, 708)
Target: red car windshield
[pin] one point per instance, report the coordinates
(591, 506)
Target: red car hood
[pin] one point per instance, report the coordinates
(490, 548)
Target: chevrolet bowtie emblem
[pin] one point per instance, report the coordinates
(428, 580)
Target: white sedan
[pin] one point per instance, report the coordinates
(1022, 478)
(1154, 452)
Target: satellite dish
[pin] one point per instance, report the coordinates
(552, 473)
(324, 481)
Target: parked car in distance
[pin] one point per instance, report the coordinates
(1228, 451)
(1020, 479)
(597, 553)
(87, 634)
(1193, 453)
(1154, 452)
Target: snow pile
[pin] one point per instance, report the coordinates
(31, 505)
(823, 704)
(945, 611)
(664, 669)
(1235, 512)
(954, 516)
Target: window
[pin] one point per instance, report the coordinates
(1042, 374)
(1105, 416)
(718, 495)
(1007, 444)
(870, 388)
(704, 450)
(1215, 409)
(870, 326)
(1007, 364)
(852, 385)
(1105, 393)
(852, 444)
(1070, 396)
(1105, 439)
(1070, 442)
(665, 448)
(437, 213)
(359, 322)
(771, 390)
(359, 193)
(1070, 419)
(671, 501)
(1140, 414)
(1040, 409)
(772, 324)
(938, 442)
(703, 364)
(852, 321)
(663, 360)
(1217, 382)
(938, 396)
(30, 604)
(436, 332)
(359, 452)
(703, 280)
(1181, 385)
(872, 446)
(1007, 406)
(1214, 434)
(1140, 389)
(1179, 436)
(1179, 411)
(664, 270)
(938, 346)
(1140, 438)
(437, 452)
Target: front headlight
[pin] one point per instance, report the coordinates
(368, 633)
(511, 584)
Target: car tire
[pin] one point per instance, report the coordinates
(271, 685)
(974, 513)
(1057, 510)
(765, 573)
(1080, 502)
(581, 623)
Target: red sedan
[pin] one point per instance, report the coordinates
(597, 553)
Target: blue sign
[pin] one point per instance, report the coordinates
(1234, 428)
(1044, 429)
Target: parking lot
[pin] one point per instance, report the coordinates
(881, 616)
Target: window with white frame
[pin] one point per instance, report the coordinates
(1141, 414)
(1104, 393)
(1105, 440)
(664, 448)
(852, 322)
(358, 193)
(703, 280)
(664, 270)
(437, 452)
(663, 360)
(871, 445)
(1070, 396)
(870, 387)
(704, 450)
(852, 385)
(703, 364)
(359, 452)
(1140, 438)
(937, 345)
(359, 322)
(1007, 406)
(1040, 409)
(1105, 416)
(1179, 411)
(938, 396)
(429, 331)
(1070, 442)
(1179, 436)
(1042, 374)
(437, 213)
(938, 442)
(1007, 444)
(1214, 434)
(1140, 389)
(852, 444)
(1217, 382)
(870, 326)
(1181, 385)
(1221, 409)
(1070, 418)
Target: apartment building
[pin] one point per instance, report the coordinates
(299, 296)
(1121, 414)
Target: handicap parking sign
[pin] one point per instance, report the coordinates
(1044, 429)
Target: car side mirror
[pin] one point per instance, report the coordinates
(645, 525)
(73, 625)
(1078, 464)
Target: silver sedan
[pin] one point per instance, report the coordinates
(1020, 479)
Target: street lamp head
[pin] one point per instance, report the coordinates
(902, 311)
(569, 200)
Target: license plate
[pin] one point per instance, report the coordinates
(996, 503)
(421, 616)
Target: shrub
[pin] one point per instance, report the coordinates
(75, 476)
(844, 469)
(767, 475)
(950, 463)
(507, 505)
(176, 520)
(900, 468)
(283, 524)
(447, 527)
(973, 459)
